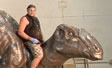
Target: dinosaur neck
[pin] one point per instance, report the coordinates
(52, 58)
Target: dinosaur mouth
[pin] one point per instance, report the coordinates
(94, 49)
(98, 56)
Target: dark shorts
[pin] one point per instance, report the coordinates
(36, 49)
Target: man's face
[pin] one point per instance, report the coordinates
(32, 11)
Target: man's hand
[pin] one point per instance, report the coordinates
(35, 40)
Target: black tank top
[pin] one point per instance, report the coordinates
(33, 28)
(30, 25)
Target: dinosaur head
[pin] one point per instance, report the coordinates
(74, 42)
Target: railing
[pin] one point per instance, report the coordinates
(85, 63)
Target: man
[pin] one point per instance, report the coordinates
(30, 32)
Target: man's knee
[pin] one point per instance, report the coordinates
(42, 55)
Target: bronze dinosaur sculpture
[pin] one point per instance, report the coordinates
(66, 42)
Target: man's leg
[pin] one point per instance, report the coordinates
(38, 54)
(35, 62)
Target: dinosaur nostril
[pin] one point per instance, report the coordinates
(96, 48)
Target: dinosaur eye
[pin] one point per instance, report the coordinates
(69, 33)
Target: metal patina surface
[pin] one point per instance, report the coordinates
(66, 42)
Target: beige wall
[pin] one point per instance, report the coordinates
(93, 15)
